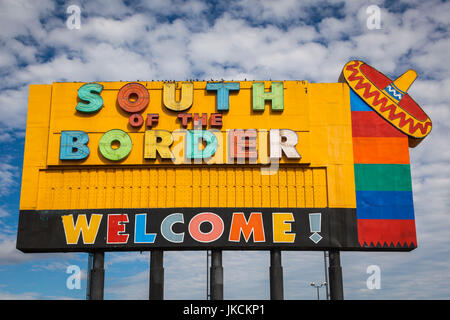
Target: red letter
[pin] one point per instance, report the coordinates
(203, 121)
(216, 120)
(116, 228)
(243, 144)
(254, 224)
(184, 118)
(151, 119)
(216, 224)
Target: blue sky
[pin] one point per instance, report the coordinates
(233, 40)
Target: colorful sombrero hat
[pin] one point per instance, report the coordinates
(389, 98)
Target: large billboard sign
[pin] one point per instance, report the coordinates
(229, 164)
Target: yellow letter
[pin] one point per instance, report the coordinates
(282, 224)
(187, 96)
(151, 144)
(88, 232)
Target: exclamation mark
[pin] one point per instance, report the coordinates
(315, 226)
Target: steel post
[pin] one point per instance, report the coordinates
(276, 275)
(216, 277)
(327, 295)
(156, 275)
(335, 276)
(97, 276)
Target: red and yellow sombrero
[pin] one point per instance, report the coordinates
(389, 98)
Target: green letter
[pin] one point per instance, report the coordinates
(119, 137)
(275, 95)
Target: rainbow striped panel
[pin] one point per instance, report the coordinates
(384, 199)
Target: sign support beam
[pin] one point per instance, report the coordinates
(335, 275)
(327, 294)
(276, 275)
(156, 275)
(97, 276)
(216, 275)
(208, 288)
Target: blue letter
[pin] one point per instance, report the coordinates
(193, 138)
(94, 100)
(166, 228)
(139, 230)
(222, 93)
(73, 145)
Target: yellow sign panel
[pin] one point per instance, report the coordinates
(267, 164)
(187, 144)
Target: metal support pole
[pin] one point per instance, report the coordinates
(97, 276)
(276, 275)
(88, 275)
(216, 275)
(156, 275)
(327, 295)
(208, 293)
(335, 272)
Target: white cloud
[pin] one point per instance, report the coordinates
(13, 107)
(134, 287)
(8, 177)
(19, 296)
(3, 212)
(5, 295)
(185, 275)
(113, 258)
(9, 255)
(21, 17)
